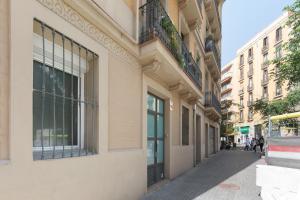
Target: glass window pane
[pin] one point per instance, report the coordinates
(150, 152)
(151, 102)
(160, 106)
(160, 126)
(150, 125)
(160, 151)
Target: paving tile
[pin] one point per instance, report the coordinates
(229, 175)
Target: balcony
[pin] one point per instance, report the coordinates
(249, 88)
(241, 92)
(264, 81)
(191, 9)
(250, 59)
(212, 106)
(265, 64)
(164, 55)
(212, 57)
(212, 11)
(250, 72)
(250, 103)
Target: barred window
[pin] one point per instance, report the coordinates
(64, 96)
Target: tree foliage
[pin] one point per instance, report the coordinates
(289, 64)
(277, 107)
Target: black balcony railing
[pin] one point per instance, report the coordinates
(212, 101)
(210, 46)
(155, 23)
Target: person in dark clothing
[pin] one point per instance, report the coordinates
(261, 142)
(255, 142)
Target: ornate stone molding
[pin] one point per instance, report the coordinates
(152, 67)
(74, 18)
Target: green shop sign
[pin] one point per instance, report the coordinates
(244, 129)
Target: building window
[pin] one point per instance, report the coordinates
(250, 82)
(276, 70)
(265, 75)
(265, 92)
(250, 97)
(278, 89)
(250, 53)
(241, 115)
(241, 59)
(278, 52)
(250, 114)
(278, 34)
(251, 68)
(265, 58)
(64, 96)
(185, 126)
(241, 102)
(265, 42)
(241, 73)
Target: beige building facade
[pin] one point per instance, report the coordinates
(102, 99)
(254, 77)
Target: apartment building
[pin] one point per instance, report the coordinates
(255, 77)
(229, 113)
(102, 99)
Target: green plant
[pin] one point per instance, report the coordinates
(167, 25)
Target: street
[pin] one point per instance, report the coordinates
(228, 175)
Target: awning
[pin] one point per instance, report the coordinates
(286, 116)
(244, 129)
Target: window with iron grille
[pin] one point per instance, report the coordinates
(64, 96)
(185, 126)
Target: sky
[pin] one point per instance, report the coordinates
(243, 19)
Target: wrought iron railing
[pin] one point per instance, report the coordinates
(155, 23)
(212, 101)
(210, 46)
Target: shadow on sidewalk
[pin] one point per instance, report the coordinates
(209, 174)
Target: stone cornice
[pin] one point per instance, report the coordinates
(74, 18)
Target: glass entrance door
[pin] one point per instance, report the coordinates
(155, 139)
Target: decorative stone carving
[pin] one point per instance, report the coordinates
(177, 87)
(74, 18)
(152, 67)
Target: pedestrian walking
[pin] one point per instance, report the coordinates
(261, 142)
(247, 144)
(254, 144)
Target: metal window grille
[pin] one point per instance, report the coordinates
(64, 96)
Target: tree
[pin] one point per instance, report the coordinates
(289, 64)
(288, 69)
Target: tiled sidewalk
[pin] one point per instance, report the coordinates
(229, 175)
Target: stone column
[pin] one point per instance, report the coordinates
(4, 79)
